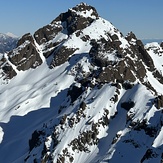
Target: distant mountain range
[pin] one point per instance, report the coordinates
(78, 91)
(7, 42)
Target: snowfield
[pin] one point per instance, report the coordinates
(68, 114)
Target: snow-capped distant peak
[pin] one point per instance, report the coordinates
(7, 42)
(11, 35)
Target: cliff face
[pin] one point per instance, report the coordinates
(79, 91)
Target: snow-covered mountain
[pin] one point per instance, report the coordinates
(79, 91)
(7, 42)
(146, 41)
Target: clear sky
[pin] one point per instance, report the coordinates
(143, 17)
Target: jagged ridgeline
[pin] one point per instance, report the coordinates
(88, 94)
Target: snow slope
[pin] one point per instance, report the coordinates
(94, 106)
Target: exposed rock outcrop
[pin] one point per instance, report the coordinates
(26, 55)
(8, 71)
(61, 56)
(48, 32)
(139, 51)
(76, 18)
(159, 101)
(94, 95)
(117, 65)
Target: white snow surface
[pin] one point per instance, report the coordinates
(11, 35)
(31, 100)
(156, 52)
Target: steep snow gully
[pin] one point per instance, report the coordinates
(78, 91)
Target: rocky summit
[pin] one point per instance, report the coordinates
(78, 91)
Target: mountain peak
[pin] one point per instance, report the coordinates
(85, 9)
(79, 91)
(8, 34)
(7, 42)
(76, 18)
(11, 35)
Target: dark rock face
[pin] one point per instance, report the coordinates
(50, 48)
(69, 21)
(149, 154)
(35, 140)
(116, 45)
(131, 36)
(122, 68)
(107, 62)
(128, 105)
(47, 32)
(99, 50)
(24, 38)
(84, 7)
(127, 85)
(159, 101)
(74, 21)
(138, 50)
(26, 55)
(145, 56)
(74, 93)
(120, 73)
(161, 44)
(158, 76)
(158, 51)
(61, 56)
(7, 71)
(89, 137)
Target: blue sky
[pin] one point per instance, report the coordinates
(143, 17)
